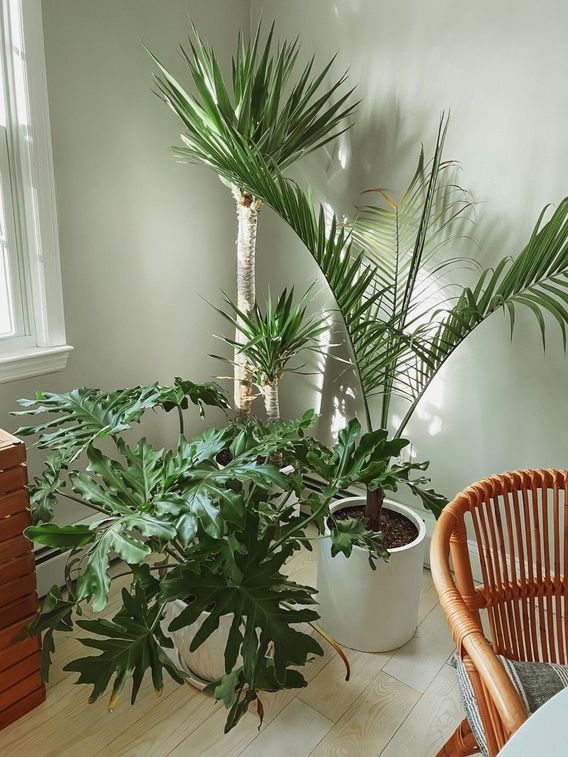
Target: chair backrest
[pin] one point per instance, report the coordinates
(519, 522)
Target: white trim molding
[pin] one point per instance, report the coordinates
(48, 351)
(35, 361)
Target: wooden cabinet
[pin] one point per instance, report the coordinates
(21, 688)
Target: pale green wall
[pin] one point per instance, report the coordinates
(502, 70)
(143, 238)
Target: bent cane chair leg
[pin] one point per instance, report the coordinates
(461, 743)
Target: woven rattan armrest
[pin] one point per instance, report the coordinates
(468, 635)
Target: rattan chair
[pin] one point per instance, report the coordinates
(519, 524)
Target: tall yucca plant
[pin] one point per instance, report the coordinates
(271, 107)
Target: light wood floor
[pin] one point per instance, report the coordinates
(398, 704)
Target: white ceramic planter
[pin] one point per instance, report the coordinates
(371, 610)
(207, 663)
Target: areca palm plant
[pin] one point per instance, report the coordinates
(272, 338)
(271, 107)
(432, 314)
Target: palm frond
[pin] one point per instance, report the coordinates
(537, 280)
(403, 239)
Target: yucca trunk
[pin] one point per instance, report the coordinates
(374, 508)
(247, 215)
(272, 407)
(272, 401)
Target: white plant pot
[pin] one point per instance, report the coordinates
(207, 663)
(371, 610)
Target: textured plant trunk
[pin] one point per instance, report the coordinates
(374, 508)
(272, 406)
(247, 215)
(272, 401)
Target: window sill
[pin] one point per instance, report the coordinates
(33, 362)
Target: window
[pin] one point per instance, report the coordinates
(32, 334)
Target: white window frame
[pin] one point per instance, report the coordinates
(40, 346)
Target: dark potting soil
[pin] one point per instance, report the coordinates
(397, 529)
(225, 457)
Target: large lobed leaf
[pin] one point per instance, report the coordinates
(365, 459)
(84, 416)
(131, 645)
(264, 604)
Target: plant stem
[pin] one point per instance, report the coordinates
(171, 553)
(272, 400)
(303, 524)
(272, 405)
(180, 416)
(374, 508)
(83, 502)
(247, 215)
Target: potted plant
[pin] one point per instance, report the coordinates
(204, 547)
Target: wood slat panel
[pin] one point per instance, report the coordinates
(12, 450)
(19, 690)
(23, 706)
(22, 608)
(14, 502)
(8, 634)
(15, 547)
(14, 525)
(19, 651)
(17, 589)
(15, 568)
(12, 479)
(18, 672)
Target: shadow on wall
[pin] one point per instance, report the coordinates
(338, 388)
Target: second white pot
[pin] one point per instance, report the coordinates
(371, 610)
(207, 663)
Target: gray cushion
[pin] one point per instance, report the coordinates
(536, 683)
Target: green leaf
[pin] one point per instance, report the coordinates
(430, 499)
(270, 340)
(119, 538)
(43, 488)
(183, 391)
(352, 532)
(131, 645)
(262, 599)
(83, 416)
(284, 121)
(62, 537)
